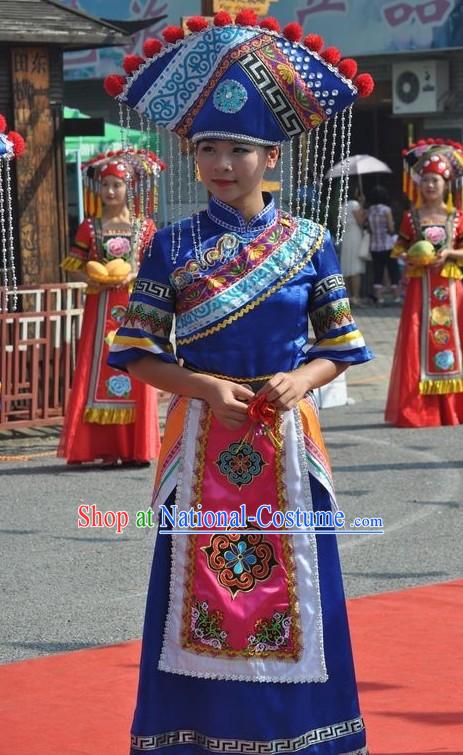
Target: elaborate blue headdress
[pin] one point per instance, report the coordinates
(247, 81)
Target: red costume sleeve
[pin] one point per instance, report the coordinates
(459, 231)
(406, 235)
(82, 242)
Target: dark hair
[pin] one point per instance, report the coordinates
(379, 195)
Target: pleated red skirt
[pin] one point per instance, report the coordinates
(83, 441)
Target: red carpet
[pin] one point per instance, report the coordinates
(408, 652)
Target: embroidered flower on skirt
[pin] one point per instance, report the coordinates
(119, 385)
(444, 360)
(441, 336)
(441, 293)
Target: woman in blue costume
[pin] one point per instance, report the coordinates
(246, 644)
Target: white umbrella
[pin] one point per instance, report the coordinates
(358, 166)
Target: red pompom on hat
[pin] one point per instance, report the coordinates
(151, 47)
(348, 68)
(3, 125)
(197, 23)
(114, 84)
(19, 145)
(222, 18)
(132, 62)
(293, 32)
(331, 55)
(314, 42)
(246, 17)
(173, 34)
(365, 84)
(270, 23)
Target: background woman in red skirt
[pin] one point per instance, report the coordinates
(426, 387)
(111, 417)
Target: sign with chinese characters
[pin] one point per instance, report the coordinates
(362, 27)
(261, 7)
(357, 27)
(39, 228)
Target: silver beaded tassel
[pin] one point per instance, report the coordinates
(6, 235)
(345, 165)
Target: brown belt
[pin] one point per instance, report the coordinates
(255, 383)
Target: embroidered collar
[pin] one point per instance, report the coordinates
(232, 220)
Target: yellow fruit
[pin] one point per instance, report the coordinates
(118, 267)
(422, 253)
(96, 270)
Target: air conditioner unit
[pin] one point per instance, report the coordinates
(419, 86)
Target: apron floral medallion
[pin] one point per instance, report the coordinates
(240, 464)
(240, 561)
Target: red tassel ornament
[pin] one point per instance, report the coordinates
(331, 55)
(222, 18)
(293, 32)
(270, 23)
(19, 145)
(197, 23)
(314, 42)
(151, 47)
(3, 125)
(131, 63)
(365, 84)
(114, 84)
(348, 68)
(173, 34)
(246, 17)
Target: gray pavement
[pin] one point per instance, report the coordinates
(66, 588)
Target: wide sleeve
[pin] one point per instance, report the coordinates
(79, 253)
(148, 320)
(337, 336)
(405, 237)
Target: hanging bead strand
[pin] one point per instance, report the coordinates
(10, 238)
(342, 177)
(315, 172)
(306, 172)
(346, 181)
(3, 236)
(321, 172)
(299, 176)
(330, 177)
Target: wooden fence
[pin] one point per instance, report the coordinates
(38, 346)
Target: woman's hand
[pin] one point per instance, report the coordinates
(127, 281)
(229, 402)
(441, 258)
(285, 389)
